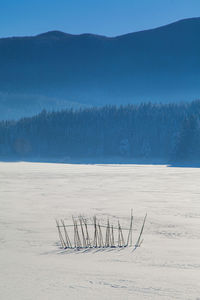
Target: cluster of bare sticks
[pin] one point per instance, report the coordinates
(84, 234)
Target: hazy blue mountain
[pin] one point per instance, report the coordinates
(56, 69)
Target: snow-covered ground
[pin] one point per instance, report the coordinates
(32, 266)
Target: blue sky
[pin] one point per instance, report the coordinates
(106, 17)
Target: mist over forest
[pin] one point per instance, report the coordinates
(169, 132)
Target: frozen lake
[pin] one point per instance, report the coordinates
(32, 195)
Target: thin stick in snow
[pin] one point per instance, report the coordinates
(83, 235)
(112, 237)
(95, 232)
(77, 236)
(60, 235)
(68, 242)
(100, 236)
(130, 230)
(138, 243)
(107, 240)
(76, 242)
(120, 236)
(87, 234)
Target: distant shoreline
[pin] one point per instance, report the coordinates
(106, 161)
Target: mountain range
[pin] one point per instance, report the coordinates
(55, 70)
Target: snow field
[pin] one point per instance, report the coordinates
(32, 195)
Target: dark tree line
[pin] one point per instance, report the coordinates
(154, 131)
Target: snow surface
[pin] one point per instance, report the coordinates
(32, 195)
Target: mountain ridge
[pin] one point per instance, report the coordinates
(158, 65)
(66, 34)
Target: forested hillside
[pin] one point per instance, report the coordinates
(170, 132)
